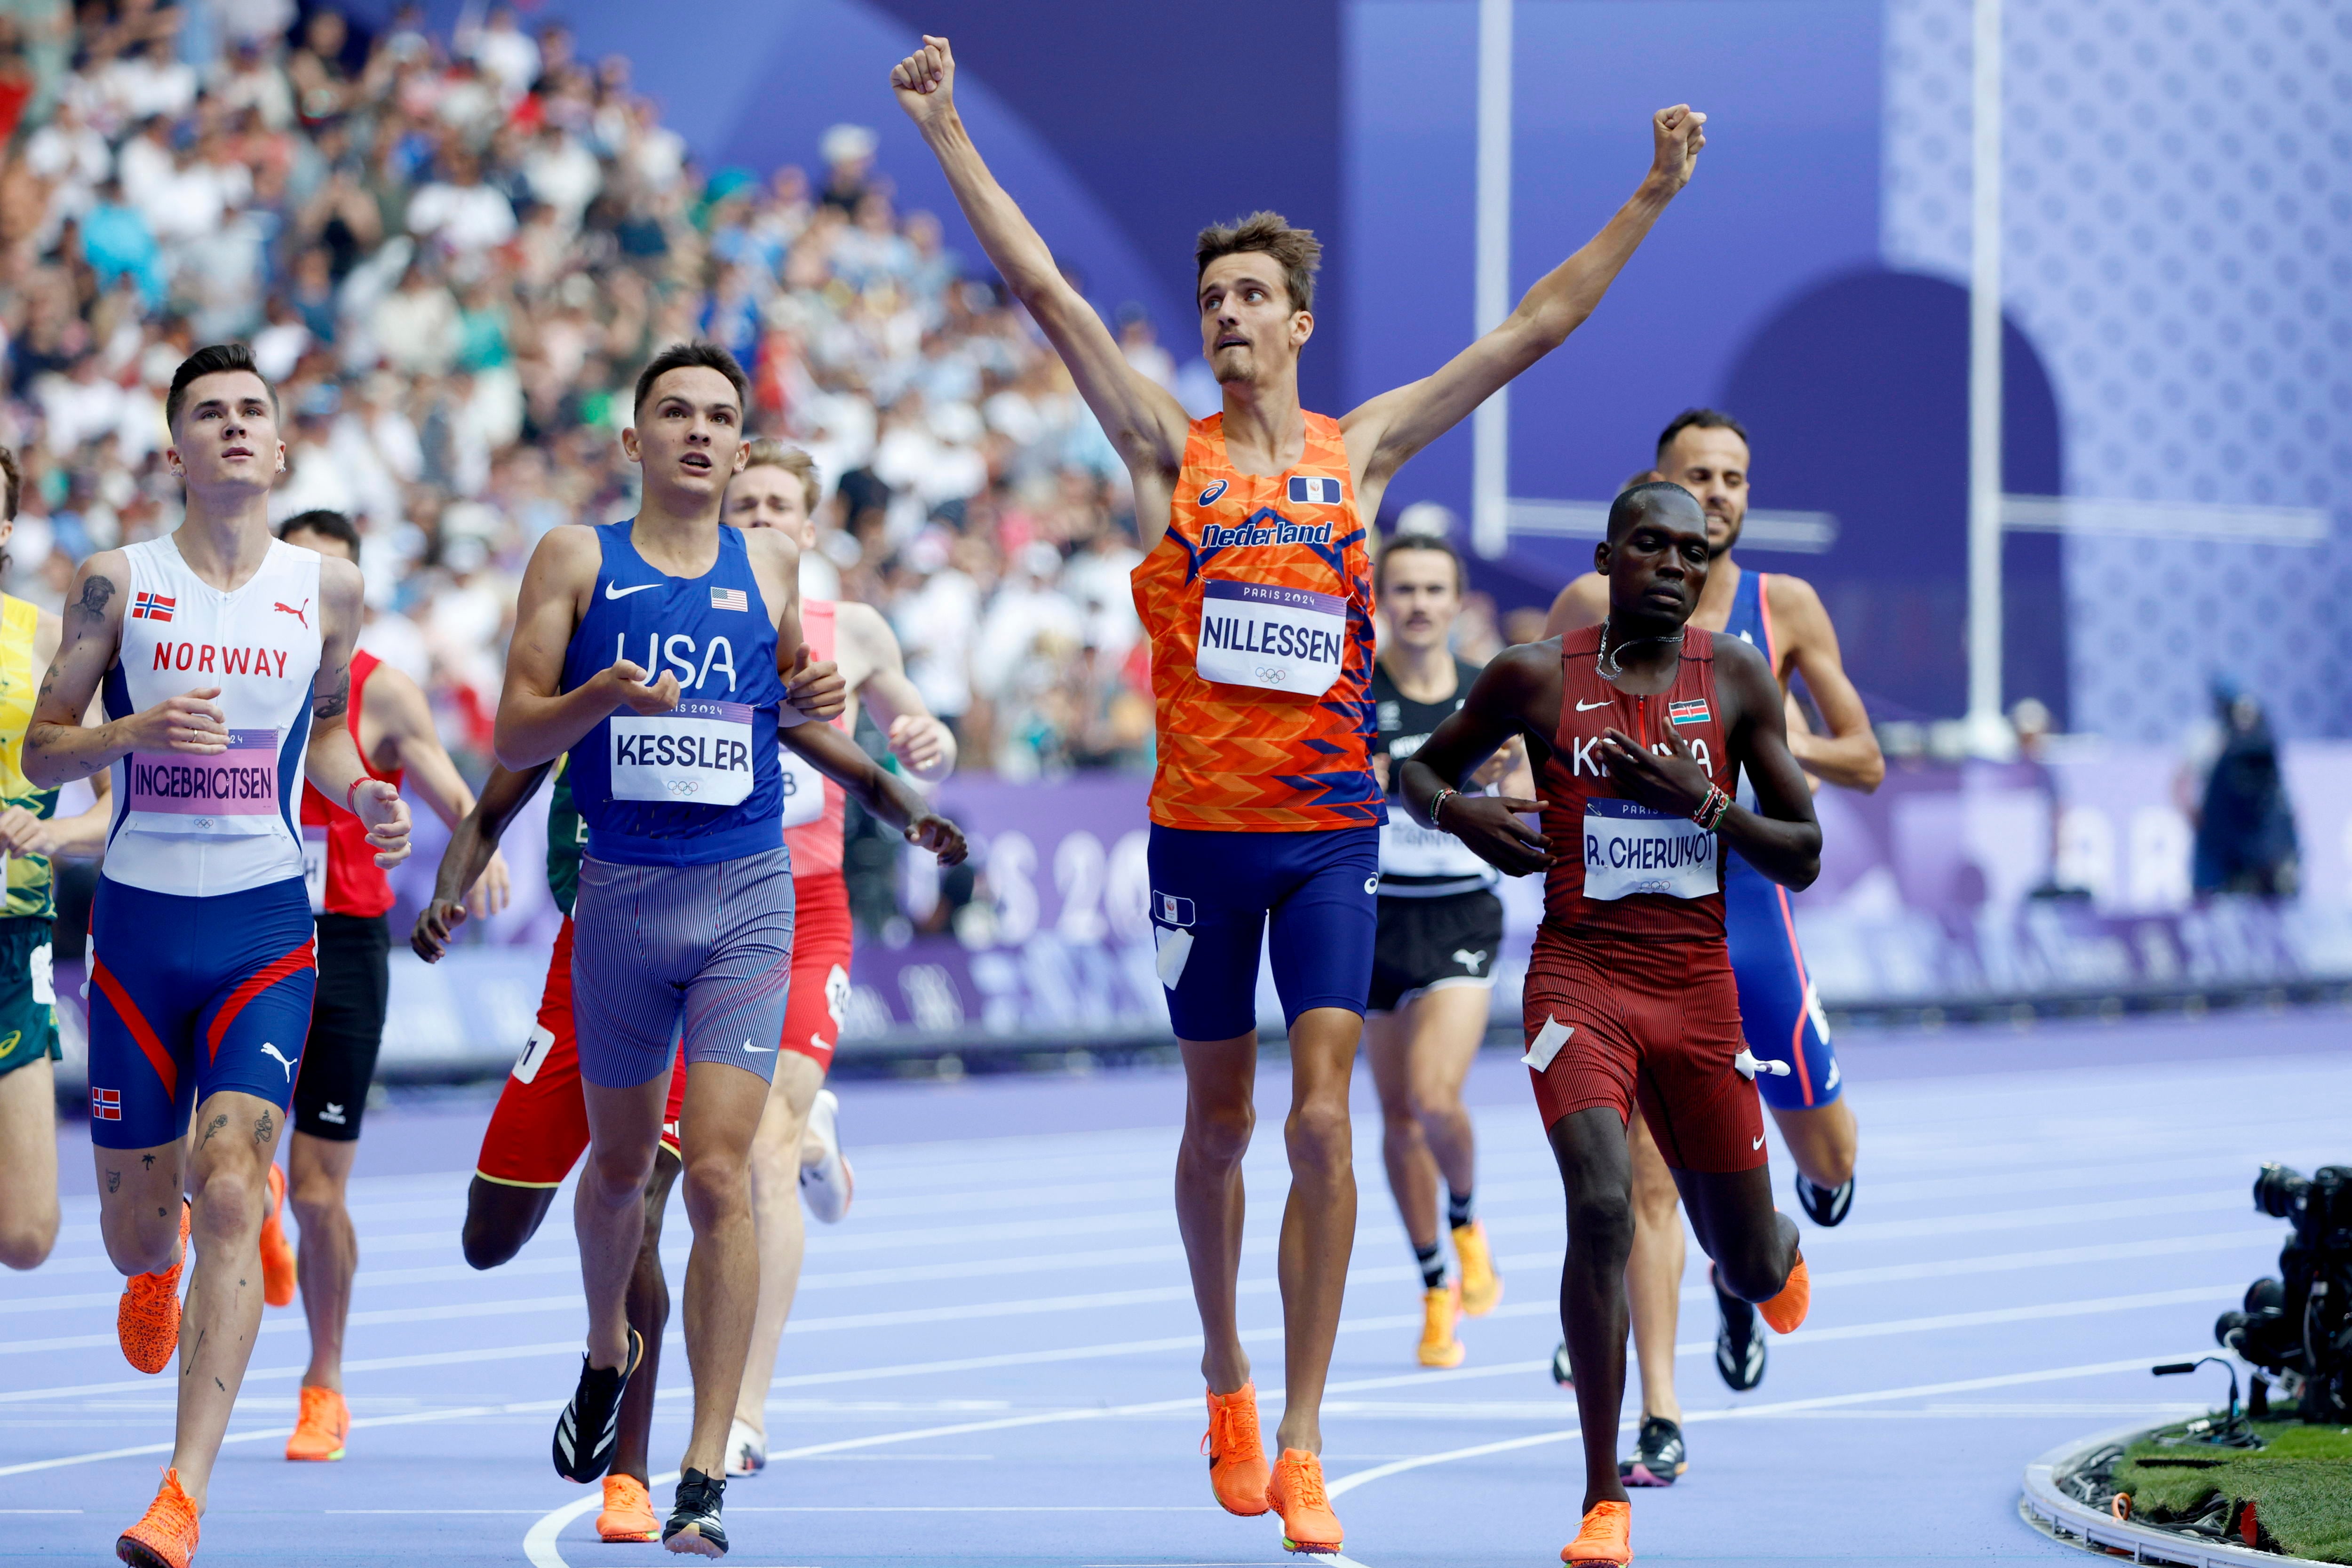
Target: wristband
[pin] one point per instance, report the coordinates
(351, 791)
(1711, 810)
(1438, 801)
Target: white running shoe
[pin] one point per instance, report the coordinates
(827, 1186)
(747, 1451)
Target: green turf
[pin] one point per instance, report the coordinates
(2300, 1484)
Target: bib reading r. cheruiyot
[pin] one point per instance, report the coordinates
(1258, 602)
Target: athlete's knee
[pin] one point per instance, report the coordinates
(1400, 1127)
(26, 1238)
(1319, 1131)
(486, 1243)
(317, 1197)
(1755, 1266)
(227, 1204)
(1218, 1130)
(717, 1190)
(137, 1248)
(1600, 1223)
(617, 1174)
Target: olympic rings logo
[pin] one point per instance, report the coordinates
(1273, 675)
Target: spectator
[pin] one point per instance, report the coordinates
(2245, 824)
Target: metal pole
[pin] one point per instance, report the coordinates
(1490, 427)
(1985, 728)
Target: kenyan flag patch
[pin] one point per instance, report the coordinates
(1693, 712)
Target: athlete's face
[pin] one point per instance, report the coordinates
(1247, 326)
(770, 497)
(227, 433)
(321, 545)
(1657, 568)
(689, 438)
(1712, 464)
(1420, 596)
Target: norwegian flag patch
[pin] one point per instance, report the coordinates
(1692, 712)
(1314, 491)
(729, 599)
(106, 1104)
(153, 608)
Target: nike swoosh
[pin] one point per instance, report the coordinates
(750, 1046)
(1757, 1144)
(1588, 707)
(614, 591)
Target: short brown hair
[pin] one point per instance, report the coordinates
(1429, 542)
(15, 482)
(680, 357)
(213, 358)
(772, 453)
(1701, 420)
(1295, 251)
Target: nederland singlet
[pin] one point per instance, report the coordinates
(191, 825)
(337, 862)
(1258, 603)
(700, 784)
(30, 889)
(1622, 868)
(1419, 862)
(816, 809)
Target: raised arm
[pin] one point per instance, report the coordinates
(1507, 700)
(331, 760)
(1145, 423)
(538, 720)
(471, 847)
(1849, 754)
(877, 789)
(1392, 427)
(925, 745)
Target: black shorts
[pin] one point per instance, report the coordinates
(1425, 944)
(346, 1026)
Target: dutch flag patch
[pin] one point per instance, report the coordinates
(1314, 491)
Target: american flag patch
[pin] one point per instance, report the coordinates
(106, 1104)
(1314, 491)
(153, 608)
(1692, 712)
(729, 599)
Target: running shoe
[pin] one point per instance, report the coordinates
(1738, 1345)
(1824, 1205)
(1786, 1310)
(1481, 1286)
(747, 1450)
(590, 1427)
(827, 1187)
(320, 1430)
(1659, 1457)
(166, 1536)
(1563, 1370)
(1439, 1307)
(1236, 1453)
(277, 1252)
(1607, 1536)
(1297, 1493)
(628, 1513)
(147, 1319)
(694, 1525)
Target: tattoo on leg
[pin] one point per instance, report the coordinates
(217, 1123)
(263, 1130)
(114, 1181)
(97, 593)
(148, 1161)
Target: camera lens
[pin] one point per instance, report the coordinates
(2266, 1295)
(2277, 1188)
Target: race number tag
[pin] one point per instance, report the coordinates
(1277, 639)
(803, 789)
(1630, 848)
(697, 753)
(314, 865)
(235, 790)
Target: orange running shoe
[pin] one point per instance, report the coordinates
(1787, 1310)
(628, 1513)
(277, 1252)
(1439, 1307)
(147, 1319)
(1297, 1493)
(1607, 1536)
(1236, 1453)
(1482, 1287)
(167, 1537)
(320, 1430)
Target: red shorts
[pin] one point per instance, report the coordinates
(1653, 1021)
(821, 934)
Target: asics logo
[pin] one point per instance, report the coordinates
(614, 591)
(302, 615)
(1208, 496)
(273, 1053)
(1585, 707)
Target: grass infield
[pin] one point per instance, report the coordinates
(2300, 1484)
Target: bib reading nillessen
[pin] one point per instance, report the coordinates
(232, 792)
(1629, 848)
(697, 753)
(1275, 638)
(803, 789)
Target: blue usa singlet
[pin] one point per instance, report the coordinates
(700, 784)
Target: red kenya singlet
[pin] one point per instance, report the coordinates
(337, 862)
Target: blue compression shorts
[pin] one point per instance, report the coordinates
(1780, 1012)
(189, 996)
(1213, 895)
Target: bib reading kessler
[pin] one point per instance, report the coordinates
(1275, 638)
(698, 753)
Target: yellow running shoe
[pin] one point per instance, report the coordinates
(277, 1252)
(1297, 1493)
(1236, 1453)
(166, 1536)
(147, 1319)
(1481, 1286)
(1607, 1536)
(1439, 1307)
(628, 1513)
(320, 1430)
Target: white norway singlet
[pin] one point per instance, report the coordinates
(198, 826)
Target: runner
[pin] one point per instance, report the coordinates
(31, 835)
(1257, 595)
(1643, 727)
(684, 916)
(796, 1155)
(1706, 453)
(217, 647)
(1434, 961)
(392, 724)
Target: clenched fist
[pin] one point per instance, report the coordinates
(1676, 135)
(925, 82)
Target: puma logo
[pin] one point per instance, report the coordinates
(1469, 960)
(273, 1053)
(302, 615)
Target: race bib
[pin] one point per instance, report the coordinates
(803, 789)
(1277, 639)
(697, 753)
(235, 790)
(1630, 848)
(314, 865)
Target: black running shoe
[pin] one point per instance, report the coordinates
(1562, 1373)
(1738, 1342)
(693, 1524)
(590, 1427)
(1659, 1457)
(1826, 1205)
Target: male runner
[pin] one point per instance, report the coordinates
(796, 1155)
(392, 724)
(217, 647)
(1643, 727)
(1257, 594)
(1441, 926)
(1706, 453)
(31, 835)
(684, 910)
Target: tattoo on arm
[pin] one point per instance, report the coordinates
(97, 593)
(336, 700)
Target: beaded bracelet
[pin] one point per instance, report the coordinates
(1436, 802)
(1711, 810)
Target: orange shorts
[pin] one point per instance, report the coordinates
(822, 936)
